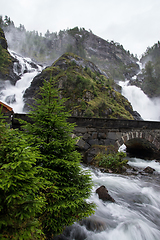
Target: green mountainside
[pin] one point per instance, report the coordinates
(5, 58)
(87, 88)
(6, 61)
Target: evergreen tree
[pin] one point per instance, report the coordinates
(20, 182)
(66, 203)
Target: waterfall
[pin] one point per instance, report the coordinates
(12, 95)
(146, 107)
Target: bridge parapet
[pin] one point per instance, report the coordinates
(114, 123)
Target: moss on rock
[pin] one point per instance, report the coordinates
(86, 87)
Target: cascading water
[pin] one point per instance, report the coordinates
(148, 108)
(13, 95)
(135, 214)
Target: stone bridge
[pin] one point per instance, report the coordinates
(140, 137)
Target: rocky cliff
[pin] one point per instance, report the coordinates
(149, 78)
(87, 88)
(6, 62)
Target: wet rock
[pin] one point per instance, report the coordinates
(72, 232)
(3, 41)
(90, 154)
(94, 224)
(103, 194)
(10, 99)
(149, 170)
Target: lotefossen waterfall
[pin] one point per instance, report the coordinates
(148, 108)
(12, 95)
(135, 214)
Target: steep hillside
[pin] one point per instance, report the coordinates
(110, 57)
(6, 61)
(87, 87)
(149, 79)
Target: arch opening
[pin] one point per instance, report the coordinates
(140, 148)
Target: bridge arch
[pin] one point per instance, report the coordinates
(139, 143)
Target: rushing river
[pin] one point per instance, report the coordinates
(135, 214)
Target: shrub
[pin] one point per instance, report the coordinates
(113, 161)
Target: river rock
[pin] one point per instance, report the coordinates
(94, 224)
(149, 170)
(10, 99)
(74, 231)
(103, 194)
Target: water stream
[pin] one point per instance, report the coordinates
(12, 95)
(135, 215)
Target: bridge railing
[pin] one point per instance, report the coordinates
(98, 122)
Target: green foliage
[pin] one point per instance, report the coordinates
(81, 86)
(113, 161)
(151, 82)
(20, 182)
(151, 73)
(66, 200)
(5, 60)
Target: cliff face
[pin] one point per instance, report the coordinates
(110, 56)
(6, 61)
(87, 88)
(149, 78)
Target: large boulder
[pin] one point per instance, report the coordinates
(149, 170)
(94, 224)
(103, 194)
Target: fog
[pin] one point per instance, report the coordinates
(134, 24)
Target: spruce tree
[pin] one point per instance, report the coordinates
(20, 183)
(66, 201)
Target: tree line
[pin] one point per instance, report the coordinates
(41, 48)
(151, 71)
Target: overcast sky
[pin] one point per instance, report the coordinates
(133, 23)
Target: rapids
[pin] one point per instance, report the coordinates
(135, 215)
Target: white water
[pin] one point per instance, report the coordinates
(13, 95)
(135, 214)
(148, 108)
(140, 163)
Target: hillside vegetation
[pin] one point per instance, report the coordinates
(5, 59)
(87, 88)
